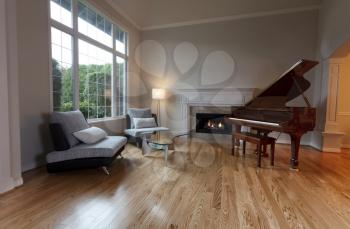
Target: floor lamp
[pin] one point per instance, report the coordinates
(158, 94)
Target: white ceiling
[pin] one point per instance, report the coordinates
(157, 13)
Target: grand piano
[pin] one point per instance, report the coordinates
(268, 112)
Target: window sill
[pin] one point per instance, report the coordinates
(97, 120)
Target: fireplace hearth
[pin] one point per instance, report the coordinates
(212, 123)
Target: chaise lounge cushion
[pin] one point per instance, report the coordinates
(138, 132)
(71, 122)
(105, 148)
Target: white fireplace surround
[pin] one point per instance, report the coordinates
(184, 99)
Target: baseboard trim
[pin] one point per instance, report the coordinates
(33, 165)
(286, 141)
(18, 181)
(8, 184)
(331, 150)
(315, 146)
(179, 132)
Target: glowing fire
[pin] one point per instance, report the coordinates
(214, 125)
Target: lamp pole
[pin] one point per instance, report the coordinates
(158, 94)
(158, 113)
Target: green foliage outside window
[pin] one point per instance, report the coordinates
(95, 89)
(62, 87)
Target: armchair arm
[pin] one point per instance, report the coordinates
(155, 118)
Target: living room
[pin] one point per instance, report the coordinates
(163, 114)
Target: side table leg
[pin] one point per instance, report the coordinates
(146, 149)
(166, 155)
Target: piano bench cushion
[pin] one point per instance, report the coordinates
(254, 138)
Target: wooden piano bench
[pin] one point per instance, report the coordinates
(260, 141)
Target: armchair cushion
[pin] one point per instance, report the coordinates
(71, 122)
(138, 113)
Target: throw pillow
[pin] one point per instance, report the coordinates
(90, 135)
(144, 123)
(138, 113)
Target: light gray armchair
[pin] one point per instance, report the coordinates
(133, 134)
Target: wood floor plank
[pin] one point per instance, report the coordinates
(204, 186)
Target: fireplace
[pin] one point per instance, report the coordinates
(212, 123)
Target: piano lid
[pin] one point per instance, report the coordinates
(289, 85)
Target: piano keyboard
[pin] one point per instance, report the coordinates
(256, 122)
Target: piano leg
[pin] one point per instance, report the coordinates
(295, 144)
(238, 129)
(233, 146)
(235, 142)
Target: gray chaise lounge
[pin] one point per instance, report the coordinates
(71, 154)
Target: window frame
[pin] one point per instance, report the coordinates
(76, 36)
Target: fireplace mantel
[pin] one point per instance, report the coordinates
(216, 96)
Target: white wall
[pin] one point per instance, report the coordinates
(12, 53)
(10, 169)
(262, 48)
(34, 81)
(334, 26)
(34, 77)
(5, 165)
(334, 32)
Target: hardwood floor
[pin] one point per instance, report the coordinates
(202, 187)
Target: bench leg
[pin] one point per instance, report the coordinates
(105, 170)
(272, 154)
(244, 146)
(233, 146)
(259, 155)
(265, 150)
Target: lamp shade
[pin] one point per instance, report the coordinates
(158, 93)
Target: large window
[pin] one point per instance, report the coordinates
(62, 81)
(95, 75)
(89, 61)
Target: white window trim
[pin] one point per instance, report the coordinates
(76, 36)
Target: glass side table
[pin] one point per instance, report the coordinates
(162, 140)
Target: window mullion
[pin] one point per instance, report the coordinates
(114, 76)
(94, 42)
(126, 76)
(76, 85)
(62, 27)
(125, 86)
(124, 56)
